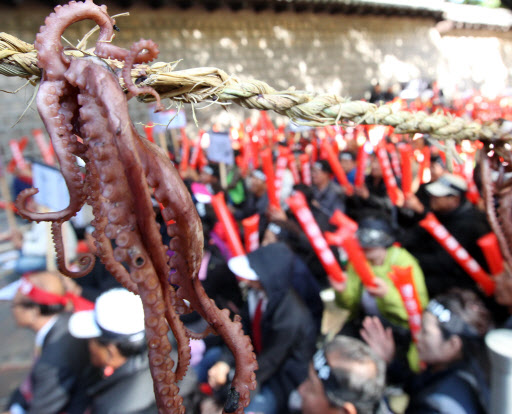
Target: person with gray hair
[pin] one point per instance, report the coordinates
(345, 377)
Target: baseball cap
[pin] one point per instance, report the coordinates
(259, 175)
(375, 232)
(241, 267)
(323, 165)
(348, 155)
(117, 315)
(447, 185)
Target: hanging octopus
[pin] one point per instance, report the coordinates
(496, 173)
(85, 112)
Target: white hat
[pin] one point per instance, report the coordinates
(8, 292)
(241, 267)
(117, 313)
(447, 185)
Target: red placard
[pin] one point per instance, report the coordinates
(337, 169)
(185, 151)
(268, 169)
(300, 209)
(44, 148)
(406, 158)
(431, 224)
(228, 223)
(196, 151)
(358, 259)
(251, 232)
(404, 282)
(492, 253)
(148, 129)
(394, 193)
(362, 157)
(305, 169)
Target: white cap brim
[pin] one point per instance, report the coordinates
(8, 292)
(438, 189)
(240, 266)
(83, 325)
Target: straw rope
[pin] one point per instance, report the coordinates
(208, 84)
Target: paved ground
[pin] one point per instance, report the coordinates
(15, 344)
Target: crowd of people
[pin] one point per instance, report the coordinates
(91, 354)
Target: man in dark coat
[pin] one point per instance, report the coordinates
(463, 221)
(327, 194)
(280, 326)
(61, 371)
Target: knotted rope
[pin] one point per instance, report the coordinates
(207, 84)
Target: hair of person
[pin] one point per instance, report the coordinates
(50, 282)
(126, 346)
(359, 372)
(467, 306)
(44, 310)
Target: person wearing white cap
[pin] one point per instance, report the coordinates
(117, 344)
(463, 221)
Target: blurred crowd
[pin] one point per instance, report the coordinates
(415, 315)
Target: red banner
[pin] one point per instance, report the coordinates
(268, 169)
(337, 169)
(358, 259)
(300, 209)
(395, 162)
(362, 157)
(18, 160)
(394, 193)
(431, 224)
(404, 282)
(491, 250)
(148, 129)
(185, 151)
(305, 169)
(292, 166)
(196, 151)
(281, 164)
(44, 148)
(228, 223)
(251, 232)
(406, 158)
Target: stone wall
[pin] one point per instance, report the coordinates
(316, 52)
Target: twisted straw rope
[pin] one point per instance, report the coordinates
(18, 58)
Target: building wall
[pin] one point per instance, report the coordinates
(315, 52)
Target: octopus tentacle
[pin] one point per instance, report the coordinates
(86, 261)
(57, 119)
(179, 331)
(48, 44)
(200, 335)
(184, 236)
(493, 216)
(150, 54)
(54, 105)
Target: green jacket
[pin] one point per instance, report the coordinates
(391, 306)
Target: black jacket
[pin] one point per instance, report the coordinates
(288, 330)
(287, 327)
(456, 390)
(129, 390)
(60, 375)
(466, 224)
